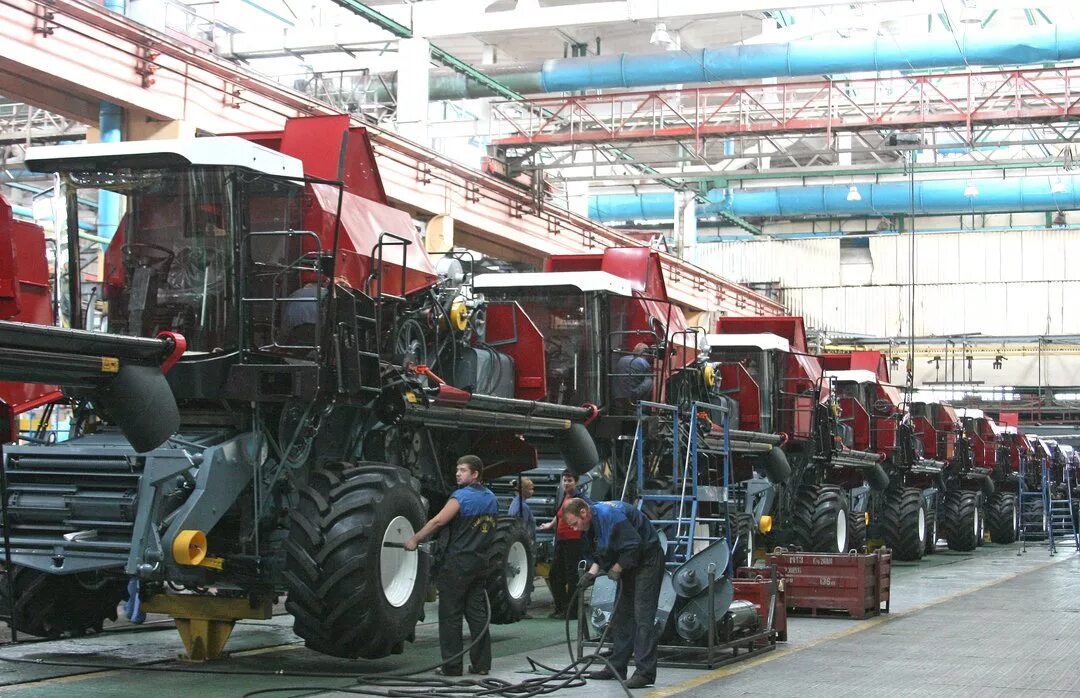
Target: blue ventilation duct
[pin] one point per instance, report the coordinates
(24, 212)
(813, 57)
(931, 197)
(809, 57)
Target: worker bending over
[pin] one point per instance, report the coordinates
(621, 540)
(470, 514)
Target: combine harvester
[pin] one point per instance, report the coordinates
(276, 406)
(794, 463)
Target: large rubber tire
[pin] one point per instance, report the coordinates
(350, 595)
(961, 520)
(511, 563)
(820, 520)
(933, 532)
(744, 531)
(857, 531)
(52, 605)
(903, 523)
(1002, 518)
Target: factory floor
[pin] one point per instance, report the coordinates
(986, 623)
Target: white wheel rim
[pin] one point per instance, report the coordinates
(398, 567)
(517, 570)
(922, 525)
(975, 523)
(841, 531)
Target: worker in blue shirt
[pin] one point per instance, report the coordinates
(622, 541)
(470, 517)
(633, 378)
(519, 506)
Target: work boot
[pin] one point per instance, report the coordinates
(604, 674)
(639, 681)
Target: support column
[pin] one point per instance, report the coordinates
(843, 145)
(414, 66)
(685, 226)
(110, 122)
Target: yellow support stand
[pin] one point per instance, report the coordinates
(206, 622)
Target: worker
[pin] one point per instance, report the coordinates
(569, 552)
(622, 541)
(519, 506)
(633, 379)
(300, 312)
(519, 509)
(470, 515)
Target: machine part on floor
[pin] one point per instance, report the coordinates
(1002, 518)
(351, 596)
(961, 520)
(820, 520)
(903, 523)
(691, 578)
(206, 622)
(511, 560)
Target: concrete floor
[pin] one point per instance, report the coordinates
(987, 623)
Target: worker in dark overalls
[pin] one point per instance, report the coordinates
(622, 541)
(470, 516)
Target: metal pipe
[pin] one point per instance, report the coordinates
(798, 58)
(930, 197)
(528, 407)
(111, 118)
(482, 419)
(755, 436)
(24, 212)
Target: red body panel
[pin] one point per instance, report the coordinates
(511, 331)
(24, 297)
(789, 327)
(747, 393)
(859, 419)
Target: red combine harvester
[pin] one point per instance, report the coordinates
(998, 452)
(25, 296)
(277, 403)
(814, 484)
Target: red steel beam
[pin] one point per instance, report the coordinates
(78, 48)
(1022, 96)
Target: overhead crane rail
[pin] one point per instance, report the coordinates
(77, 52)
(959, 99)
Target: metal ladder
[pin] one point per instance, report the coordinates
(687, 445)
(1061, 520)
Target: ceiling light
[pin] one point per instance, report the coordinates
(970, 13)
(971, 191)
(661, 37)
(1060, 220)
(1057, 186)
(853, 194)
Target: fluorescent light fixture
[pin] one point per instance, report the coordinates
(970, 13)
(1057, 186)
(853, 193)
(970, 191)
(661, 37)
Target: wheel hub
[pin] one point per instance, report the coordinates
(841, 531)
(922, 525)
(517, 576)
(398, 567)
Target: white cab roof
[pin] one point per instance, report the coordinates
(581, 280)
(860, 375)
(219, 151)
(765, 340)
(970, 412)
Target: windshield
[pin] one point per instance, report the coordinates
(171, 264)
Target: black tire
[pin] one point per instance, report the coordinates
(52, 605)
(933, 532)
(820, 520)
(857, 531)
(1002, 519)
(744, 531)
(961, 520)
(335, 560)
(512, 565)
(903, 523)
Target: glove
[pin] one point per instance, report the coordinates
(614, 575)
(586, 580)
